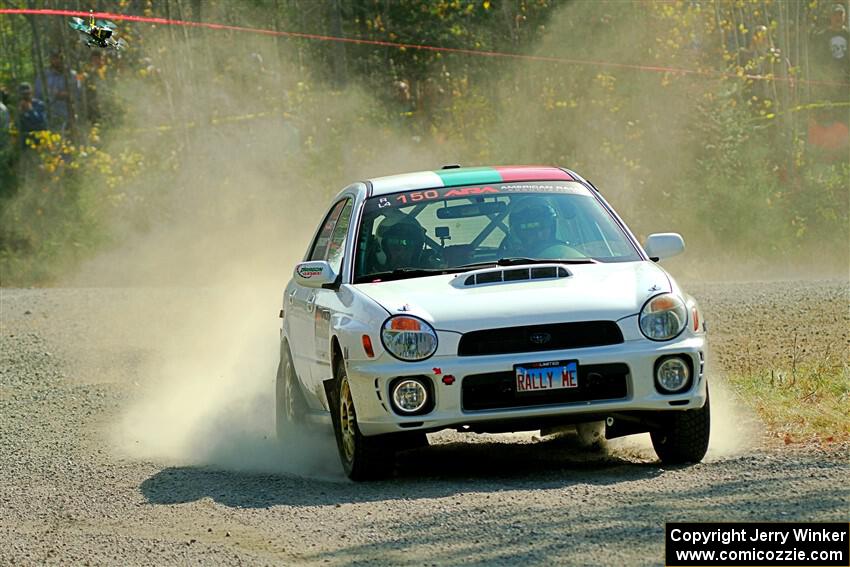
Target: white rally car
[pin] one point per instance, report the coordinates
(487, 300)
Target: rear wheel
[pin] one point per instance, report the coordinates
(684, 438)
(363, 458)
(290, 405)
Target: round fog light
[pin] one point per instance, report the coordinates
(410, 395)
(673, 374)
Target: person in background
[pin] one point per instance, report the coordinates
(829, 127)
(93, 81)
(58, 93)
(5, 122)
(834, 43)
(32, 115)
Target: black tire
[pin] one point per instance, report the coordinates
(290, 405)
(684, 438)
(411, 440)
(363, 458)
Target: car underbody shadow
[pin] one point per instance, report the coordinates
(450, 465)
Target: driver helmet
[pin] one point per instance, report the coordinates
(403, 233)
(534, 221)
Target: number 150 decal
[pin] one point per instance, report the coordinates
(432, 194)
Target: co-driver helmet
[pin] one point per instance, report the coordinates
(534, 221)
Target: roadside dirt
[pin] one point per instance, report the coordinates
(134, 430)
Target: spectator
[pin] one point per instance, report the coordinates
(829, 129)
(403, 97)
(5, 121)
(32, 116)
(93, 79)
(835, 42)
(58, 94)
(831, 58)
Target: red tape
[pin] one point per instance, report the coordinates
(421, 47)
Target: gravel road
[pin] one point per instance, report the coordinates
(134, 430)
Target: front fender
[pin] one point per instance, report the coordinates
(358, 315)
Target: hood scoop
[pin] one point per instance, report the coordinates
(507, 275)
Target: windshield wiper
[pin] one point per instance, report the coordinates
(401, 273)
(515, 261)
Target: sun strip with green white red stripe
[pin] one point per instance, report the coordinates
(466, 176)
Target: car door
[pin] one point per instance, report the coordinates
(326, 302)
(300, 302)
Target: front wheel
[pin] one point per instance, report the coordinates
(684, 438)
(363, 458)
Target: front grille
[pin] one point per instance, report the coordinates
(497, 390)
(538, 338)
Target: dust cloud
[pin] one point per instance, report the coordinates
(210, 244)
(207, 269)
(215, 240)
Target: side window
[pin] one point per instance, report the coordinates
(337, 244)
(320, 246)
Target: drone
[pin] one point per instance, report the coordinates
(98, 33)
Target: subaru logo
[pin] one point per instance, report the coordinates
(540, 338)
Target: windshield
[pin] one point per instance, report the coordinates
(434, 230)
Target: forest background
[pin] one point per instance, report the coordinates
(725, 121)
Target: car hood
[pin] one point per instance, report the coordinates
(591, 292)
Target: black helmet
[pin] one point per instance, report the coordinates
(534, 221)
(405, 232)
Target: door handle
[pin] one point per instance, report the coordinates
(311, 303)
(292, 296)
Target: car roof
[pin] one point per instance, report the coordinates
(467, 176)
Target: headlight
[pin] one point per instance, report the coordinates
(663, 317)
(408, 338)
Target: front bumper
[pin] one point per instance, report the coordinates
(370, 381)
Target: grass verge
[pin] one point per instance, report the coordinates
(807, 402)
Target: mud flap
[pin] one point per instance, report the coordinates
(330, 393)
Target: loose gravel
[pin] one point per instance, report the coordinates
(69, 494)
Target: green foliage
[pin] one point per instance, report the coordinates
(721, 155)
(66, 195)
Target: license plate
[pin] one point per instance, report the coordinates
(542, 376)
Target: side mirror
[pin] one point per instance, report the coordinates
(314, 274)
(664, 245)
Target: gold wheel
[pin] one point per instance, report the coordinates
(347, 419)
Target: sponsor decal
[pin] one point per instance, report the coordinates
(571, 189)
(307, 271)
(464, 191)
(408, 198)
